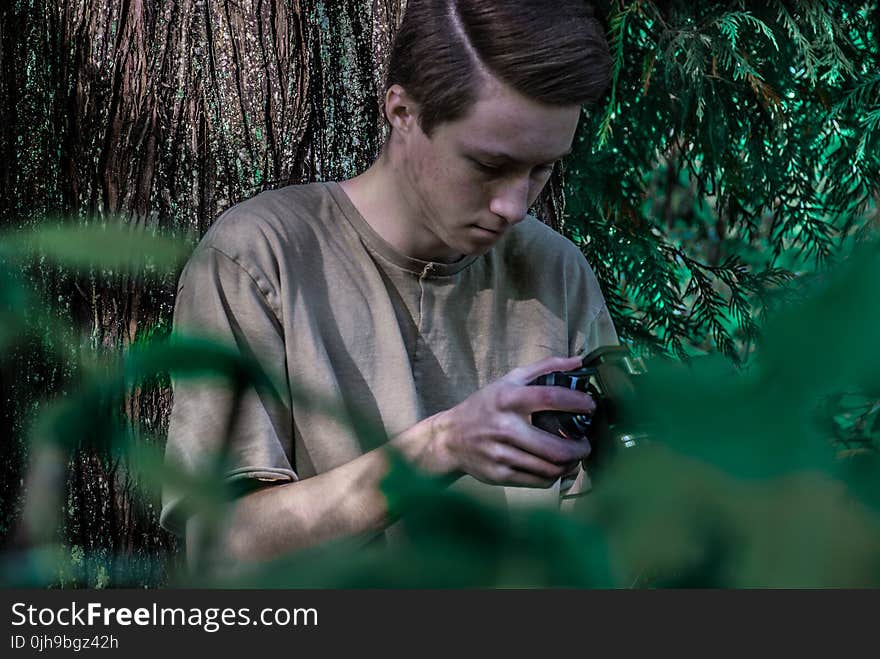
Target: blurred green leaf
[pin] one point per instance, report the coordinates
(14, 301)
(114, 247)
(672, 520)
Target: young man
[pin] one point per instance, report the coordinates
(419, 294)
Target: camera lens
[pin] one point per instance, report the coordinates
(577, 424)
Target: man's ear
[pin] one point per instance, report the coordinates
(401, 110)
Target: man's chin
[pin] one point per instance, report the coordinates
(477, 242)
(478, 249)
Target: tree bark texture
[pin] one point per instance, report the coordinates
(162, 114)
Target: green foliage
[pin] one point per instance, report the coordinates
(83, 421)
(739, 147)
(107, 246)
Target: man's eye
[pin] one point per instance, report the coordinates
(542, 170)
(486, 168)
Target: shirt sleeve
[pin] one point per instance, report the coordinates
(232, 302)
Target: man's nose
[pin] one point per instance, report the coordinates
(511, 200)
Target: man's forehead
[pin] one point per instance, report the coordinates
(505, 125)
(517, 142)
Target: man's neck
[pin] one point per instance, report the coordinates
(380, 195)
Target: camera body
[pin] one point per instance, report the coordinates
(608, 374)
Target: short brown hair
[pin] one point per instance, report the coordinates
(555, 53)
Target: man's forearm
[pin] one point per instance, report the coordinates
(344, 501)
(488, 436)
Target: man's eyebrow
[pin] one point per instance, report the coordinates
(499, 155)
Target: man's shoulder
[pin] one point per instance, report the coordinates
(282, 226)
(533, 240)
(276, 215)
(535, 256)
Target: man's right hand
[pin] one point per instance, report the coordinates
(490, 436)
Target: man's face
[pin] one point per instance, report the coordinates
(476, 177)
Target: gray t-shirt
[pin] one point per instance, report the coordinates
(297, 278)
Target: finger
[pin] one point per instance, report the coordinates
(504, 475)
(525, 479)
(525, 374)
(505, 457)
(550, 448)
(535, 398)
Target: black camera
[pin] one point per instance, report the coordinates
(608, 374)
